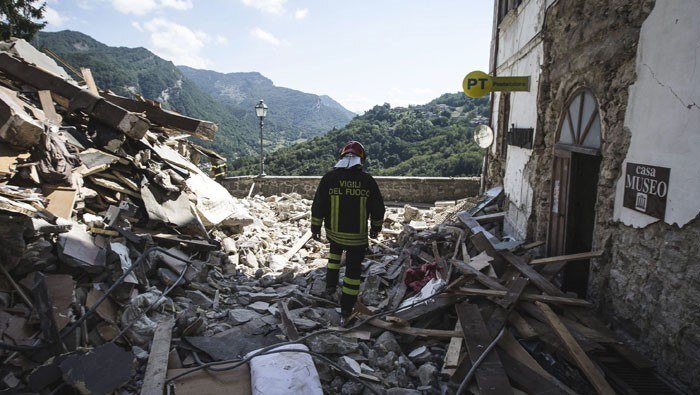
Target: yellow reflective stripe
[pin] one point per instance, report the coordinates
(335, 202)
(346, 236)
(351, 281)
(334, 256)
(353, 243)
(219, 174)
(334, 266)
(316, 221)
(363, 214)
(349, 291)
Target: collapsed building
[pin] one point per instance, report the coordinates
(126, 268)
(600, 155)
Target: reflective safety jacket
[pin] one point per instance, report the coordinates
(345, 199)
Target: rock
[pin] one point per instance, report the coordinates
(427, 374)
(387, 342)
(410, 213)
(198, 298)
(250, 260)
(386, 363)
(352, 388)
(349, 364)
(277, 263)
(241, 316)
(420, 355)
(329, 343)
(229, 245)
(337, 384)
(260, 307)
(139, 353)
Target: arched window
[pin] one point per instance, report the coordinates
(581, 123)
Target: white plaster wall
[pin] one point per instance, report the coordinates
(523, 113)
(663, 112)
(519, 27)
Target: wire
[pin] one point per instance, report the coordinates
(302, 339)
(478, 361)
(66, 332)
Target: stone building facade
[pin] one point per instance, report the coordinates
(612, 109)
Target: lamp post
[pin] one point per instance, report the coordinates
(261, 111)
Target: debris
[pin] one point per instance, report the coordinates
(99, 371)
(284, 372)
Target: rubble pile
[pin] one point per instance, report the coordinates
(125, 267)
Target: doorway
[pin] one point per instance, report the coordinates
(574, 192)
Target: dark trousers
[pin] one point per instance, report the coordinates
(351, 281)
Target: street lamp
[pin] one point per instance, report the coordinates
(261, 111)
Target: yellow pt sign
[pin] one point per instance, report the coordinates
(477, 84)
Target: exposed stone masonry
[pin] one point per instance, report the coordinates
(394, 189)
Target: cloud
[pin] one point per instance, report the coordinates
(53, 17)
(143, 7)
(301, 13)
(271, 6)
(178, 43)
(137, 26)
(265, 36)
(221, 40)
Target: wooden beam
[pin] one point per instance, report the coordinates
(48, 107)
(407, 330)
(536, 278)
(203, 129)
(131, 124)
(490, 375)
(594, 376)
(288, 325)
(566, 258)
(453, 350)
(157, 368)
(490, 282)
(87, 76)
(297, 246)
(526, 296)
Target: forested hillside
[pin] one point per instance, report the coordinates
(427, 140)
(128, 71)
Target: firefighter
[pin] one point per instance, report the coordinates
(346, 198)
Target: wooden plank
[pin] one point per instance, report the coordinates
(536, 278)
(61, 200)
(132, 124)
(48, 107)
(532, 245)
(156, 370)
(453, 350)
(525, 330)
(440, 301)
(203, 129)
(297, 246)
(487, 281)
(488, 218)
(482, 244)
(289, 328)
(203, 382)
(594, 376)
(490, 375)
(407, 330)
(566, 258)
(525, 296)
(87, 77)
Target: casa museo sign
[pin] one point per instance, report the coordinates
(646, 188)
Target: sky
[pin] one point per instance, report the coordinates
(359, 52)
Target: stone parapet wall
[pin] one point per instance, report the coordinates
(394, 189)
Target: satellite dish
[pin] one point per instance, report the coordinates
(483, 136)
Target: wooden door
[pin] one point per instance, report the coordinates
(561, 181)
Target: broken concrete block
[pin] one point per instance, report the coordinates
(198, 298)
(17, 126)
(229, 245)
(427, 374)
(329, 343)
(410, 213)
(277, 263)
(241, 316)
(387, 342)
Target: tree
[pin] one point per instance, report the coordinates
(17, 18)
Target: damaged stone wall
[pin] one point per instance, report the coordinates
(647, 280)
(394, 189)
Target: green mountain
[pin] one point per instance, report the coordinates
(292, 115)
(434, 139)
(128, 71)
